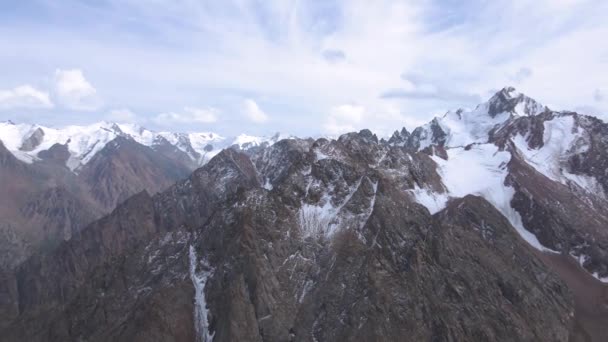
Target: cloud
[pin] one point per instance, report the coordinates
(521, 75)
(254, 112)
(344, 118)
(429, 92)
(24, 96)
(74, 91)
(420, 87)
(334, 55)
(164, 53)
(189, 115)
(123, 116)
(598, 95)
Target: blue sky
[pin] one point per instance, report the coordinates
(300, 67)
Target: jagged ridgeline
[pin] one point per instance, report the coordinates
(483, 225)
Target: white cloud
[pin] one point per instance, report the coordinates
(598, 95)
(254, 112)
(189, 115)
(74, 91)
(123, 115)
(521, 75)
(309, 56)
(24, 96)
(344, 118)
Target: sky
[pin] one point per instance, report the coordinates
(315, 67)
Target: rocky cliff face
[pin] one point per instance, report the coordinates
(302, 241)
(44, 203)
(123, 168)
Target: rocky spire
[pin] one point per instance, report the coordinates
(508, 99)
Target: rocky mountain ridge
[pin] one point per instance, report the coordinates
(44, 203)
(481, 226)
(71, 176)
(28, 141)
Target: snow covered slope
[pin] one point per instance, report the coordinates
(464, 127)
(562, 139)
(482, 170)
(545, 171)
(26, 141)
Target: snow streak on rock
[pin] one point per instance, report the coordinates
(433, 201)
(323, 219)
(201, 313)
(582, 259)
(561, 139)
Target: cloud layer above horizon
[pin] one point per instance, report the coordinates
(300, 67)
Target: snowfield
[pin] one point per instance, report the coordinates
(480, 171)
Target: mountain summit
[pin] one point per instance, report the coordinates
(508, 100)
(463, 127)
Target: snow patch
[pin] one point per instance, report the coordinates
(267, 185)
(320, 155)
(199, 280)
(318, 220)
(561, 139)
(433, 201)
(602, 279)
(372, 202)
(465, 128)
(323, 219)
(482, 171)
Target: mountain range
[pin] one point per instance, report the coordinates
(55, 181)
(28, 141)
(482, 225)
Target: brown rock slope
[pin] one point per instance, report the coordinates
(44, 203)
(330, 248)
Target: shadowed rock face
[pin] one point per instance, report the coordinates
(594, 161)
(33, 140)
(300, 241)
(124, 168)
(43, 203)
(562, 220)
(57, 154)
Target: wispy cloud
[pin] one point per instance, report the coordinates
(598, 95)
(308, 56)
(123, 115)
(521, 75)
(188, 116)
(334, 55)
(25, 96)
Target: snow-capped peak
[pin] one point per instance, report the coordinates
(463, 127)
(509, 100)
(25, 141)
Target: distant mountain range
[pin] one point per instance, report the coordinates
(27, 141)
